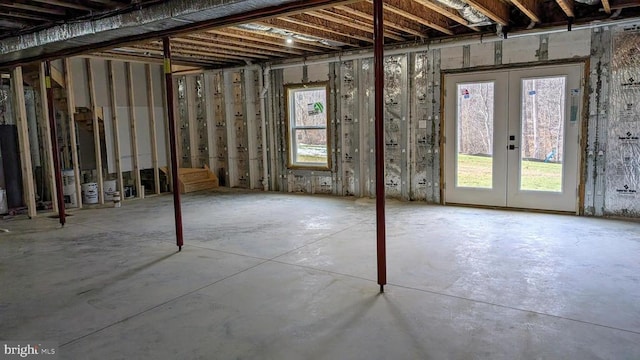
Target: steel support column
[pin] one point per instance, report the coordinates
(378, 67)
(168, 77)
(54, 143)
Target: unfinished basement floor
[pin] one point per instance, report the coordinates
(283, 276)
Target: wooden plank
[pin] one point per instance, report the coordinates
(152, 129)
(410, 11)
(607, 6)
(322, 23)
(71, 110)
(494, 10)
(567, 7)
(364, 11)
(96, 129)
(49, 165)
(134, 137)
(529, 8)
(29, 192)
(114, 124)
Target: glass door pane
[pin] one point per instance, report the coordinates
(474, 160)
(542, 133)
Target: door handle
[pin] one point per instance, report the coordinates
(512, 147)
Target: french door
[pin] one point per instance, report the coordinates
(512, 137)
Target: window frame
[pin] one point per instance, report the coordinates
(291, 127)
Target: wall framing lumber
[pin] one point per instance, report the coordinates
(71, 111)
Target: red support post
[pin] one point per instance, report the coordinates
(378, 67)
(54, 144)
(168, 77)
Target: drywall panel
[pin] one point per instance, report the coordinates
(101, 81)
(518, 50)
(80, 83)
(451, 57)
(139, 80)
(143, 137)
(120, 79)
(482, 54)
(569, 44)
(124, 130)
(293, 75)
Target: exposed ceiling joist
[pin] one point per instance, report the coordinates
(446, 12)
(365, 12)
(270, 38)
(352, 23)
(64, 4)
(567, 7)
(493, 9)
(310, 31)
(13, 14)
(427, 17)
(325, 25)
(210, 38)
(238, 47)
(529, 8)
(36, 9)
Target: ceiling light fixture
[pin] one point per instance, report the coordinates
(289, 40)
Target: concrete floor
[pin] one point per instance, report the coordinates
(280, 276)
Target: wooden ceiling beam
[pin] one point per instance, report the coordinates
(606, 6)
(65, 4)
(410, 10)
(309, 31)
(324, 25)
(211, 54)
(25, 16)
(32, 8)
(529, 8)
(270, 38)
(238, 47)
(208, 49)
(218, 38)
(365, 12)
(493, 9)
(446, 12)
(567, 7)
(353, 23)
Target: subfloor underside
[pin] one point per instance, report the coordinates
(282, 276)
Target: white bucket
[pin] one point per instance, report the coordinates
(68, 182)
(90, 193)
(109, 189)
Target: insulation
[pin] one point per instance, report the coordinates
(348, 127)
(184, 146)
(220, 166)
(395, 126)
(466, 11)
(589, 2)
(202, 141)
(623, 143)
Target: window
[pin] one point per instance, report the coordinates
(308, 132)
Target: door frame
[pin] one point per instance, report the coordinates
(582, 125)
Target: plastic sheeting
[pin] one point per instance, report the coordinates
(395, 126)
(623, 143)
